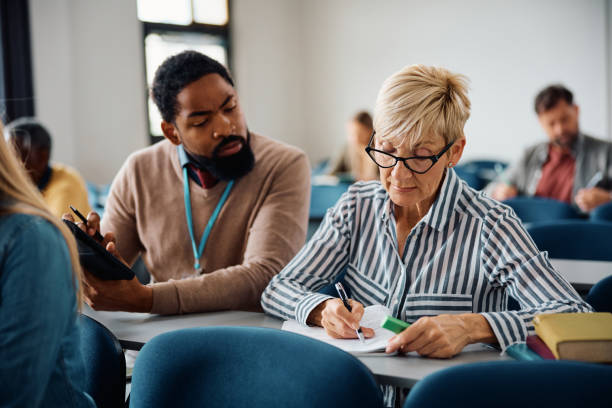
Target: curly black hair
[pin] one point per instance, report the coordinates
(178, 71)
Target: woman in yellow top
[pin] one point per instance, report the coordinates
(59, 184)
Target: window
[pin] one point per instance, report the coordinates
(174, 26)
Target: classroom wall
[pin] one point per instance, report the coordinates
(89, 81)
(509, 50)
(302, 67)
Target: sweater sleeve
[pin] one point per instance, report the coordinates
(277, 233)
(120, 213)
(36, 304)
(511, 259)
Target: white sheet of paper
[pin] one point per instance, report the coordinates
(372, 318)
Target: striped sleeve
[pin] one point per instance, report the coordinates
(510, 259)
(292, 293)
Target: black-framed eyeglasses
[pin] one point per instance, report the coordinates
(418, 164)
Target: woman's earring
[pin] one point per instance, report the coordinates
(450, 164)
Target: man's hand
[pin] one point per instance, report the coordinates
(124, 295)
(503, 191)
(442, 336)
(337, 321)
(129, 296)
(589, 198)
(93, 225)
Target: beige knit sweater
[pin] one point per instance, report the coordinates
(260, 228)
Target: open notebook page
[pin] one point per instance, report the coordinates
(372, 318)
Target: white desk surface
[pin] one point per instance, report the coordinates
(582, 272)
(135, 329)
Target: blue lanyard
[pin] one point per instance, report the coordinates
(197, 253)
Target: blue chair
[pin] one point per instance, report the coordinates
(511, 384)
(323, 197)
(470, 177)
(248, 367)
(573, 239)
(479, 173)
(536, 209)
(600, 295)
(602, 213)
(104, 364)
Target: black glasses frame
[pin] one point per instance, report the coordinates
(434, 159)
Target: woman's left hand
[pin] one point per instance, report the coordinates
(441, 336)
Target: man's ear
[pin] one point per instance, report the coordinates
(170, 132)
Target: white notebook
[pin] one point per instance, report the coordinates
(372, 318)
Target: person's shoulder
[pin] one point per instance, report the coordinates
(596, 143)
(142, 162)
(31, 227)
(265, 148)
(367, 189)
(362, 192)
(478, 204)
(61, 171)
(151, 154)
(535, 148)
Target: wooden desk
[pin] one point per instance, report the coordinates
(134, 329)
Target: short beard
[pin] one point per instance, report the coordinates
(227, 168)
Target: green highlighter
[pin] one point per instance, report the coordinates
(395, 325)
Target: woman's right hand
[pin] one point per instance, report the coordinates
(337, 321)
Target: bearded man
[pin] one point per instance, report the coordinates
(215, 211)
(570, 167)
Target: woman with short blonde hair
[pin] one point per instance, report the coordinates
(40, 360)
(435, 252)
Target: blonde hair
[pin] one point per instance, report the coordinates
(18, 195)
(419, 101)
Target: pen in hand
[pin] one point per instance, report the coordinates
(344, 298)
(97, 235)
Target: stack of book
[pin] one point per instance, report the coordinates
(568, 336)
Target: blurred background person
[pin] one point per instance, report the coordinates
(59, 184)
(40, 359)
(570, 167)
(353, 164)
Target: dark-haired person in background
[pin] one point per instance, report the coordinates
(59, 184)
(570, 167)
(211, 171)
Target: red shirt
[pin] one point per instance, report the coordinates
(557, 179)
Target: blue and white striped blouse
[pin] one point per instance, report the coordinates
(467, 255)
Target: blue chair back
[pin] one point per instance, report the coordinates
(248, 367)
(479, 173)
(603, 213)
(470, 177)
(536, 209)
(104, 364)
(323, 197)
(573, 239)
(600, 295)
(511, 384)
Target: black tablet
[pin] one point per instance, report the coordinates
(96, 259)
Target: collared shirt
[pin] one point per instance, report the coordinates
(203, 178)
(557, 179)
(467, 255)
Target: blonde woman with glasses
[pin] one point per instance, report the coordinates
(40, 360)
(437, 253)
